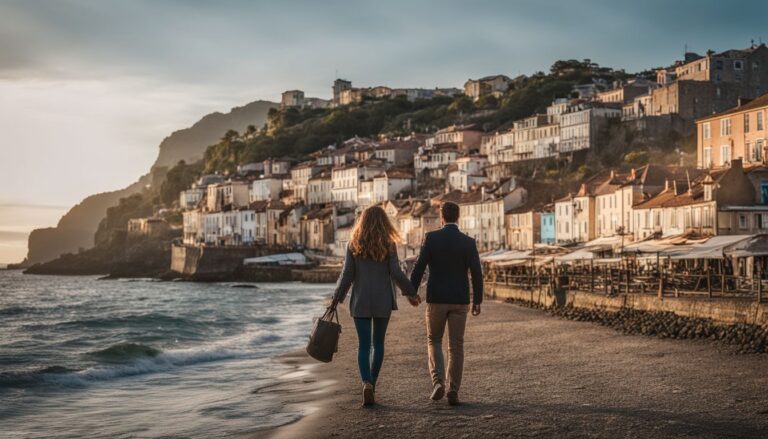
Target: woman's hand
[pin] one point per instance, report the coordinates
(414, 300)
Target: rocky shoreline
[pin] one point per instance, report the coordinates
(746, 338)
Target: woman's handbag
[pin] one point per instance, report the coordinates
(324, 339)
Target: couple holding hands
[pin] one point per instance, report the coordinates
(371, 266)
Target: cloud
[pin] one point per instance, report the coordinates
(32, 206)
(6, 235)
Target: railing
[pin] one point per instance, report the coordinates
(627, 281)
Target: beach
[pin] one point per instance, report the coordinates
(528, 374)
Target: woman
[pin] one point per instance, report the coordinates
(370, 266)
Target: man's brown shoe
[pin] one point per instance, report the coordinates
(368, 398)
(453, 397)
(438, 392)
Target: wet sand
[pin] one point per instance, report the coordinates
(528, 374)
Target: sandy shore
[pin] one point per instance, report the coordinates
(528, 374)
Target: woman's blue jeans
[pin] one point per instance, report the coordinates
(370, 351)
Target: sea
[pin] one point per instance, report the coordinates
(137, 358)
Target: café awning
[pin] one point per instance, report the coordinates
(713, 248)
(757, 245)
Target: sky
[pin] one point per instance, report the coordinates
(88, 89)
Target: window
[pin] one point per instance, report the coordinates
(725, 154)
(760, 121)
(758, 221)
(743, 221)
(759, 150)
(725, 127)
(738, 64)
(764, 192)
(746, 123)
(705, 131)
(707, 162)
(719, 64)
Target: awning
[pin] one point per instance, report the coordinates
(578, 255)
(757, 245)
(713, 248)
(604, 243)
(508, 255)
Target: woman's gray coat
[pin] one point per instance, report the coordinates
(373, 294)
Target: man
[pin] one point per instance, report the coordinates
(449, 254)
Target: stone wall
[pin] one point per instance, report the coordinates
(724, 311)
(212, 263)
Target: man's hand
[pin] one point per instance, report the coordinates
(414, 300)
(475, 310)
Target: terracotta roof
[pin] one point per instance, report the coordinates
(276, 204)
(657, 201)
(471, 197)
(453, 196)
(319, 213)
(400, 144)
(259, 206)
(399, 173)
(417, 208)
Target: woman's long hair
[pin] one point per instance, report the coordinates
(373, 235)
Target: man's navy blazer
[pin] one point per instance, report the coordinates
(450, 255)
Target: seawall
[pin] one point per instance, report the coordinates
(226, 263)
(720, 310)
(212, 263)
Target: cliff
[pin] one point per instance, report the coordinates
(76, 229)
(190, 143)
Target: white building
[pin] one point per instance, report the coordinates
(300, 176)
(495, 146)
(365, 193)
(190, 198)
(319, 189)
(346, 179)
(579, 126)
(234, 193)
(292, 99)
(389, 184)
(212, 222)
(482, 215)
(267, 188)
(192, 229)
(434, 161)
(276, 167)
(396, 153)
(467, 173)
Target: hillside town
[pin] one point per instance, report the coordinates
(311, 205)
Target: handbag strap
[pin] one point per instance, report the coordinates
(331, 314)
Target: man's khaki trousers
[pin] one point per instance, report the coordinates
(455, 316)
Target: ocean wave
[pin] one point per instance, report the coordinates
(124, 351)
(15, 310)
(128, 359)
(27, 378)
(154, 319)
